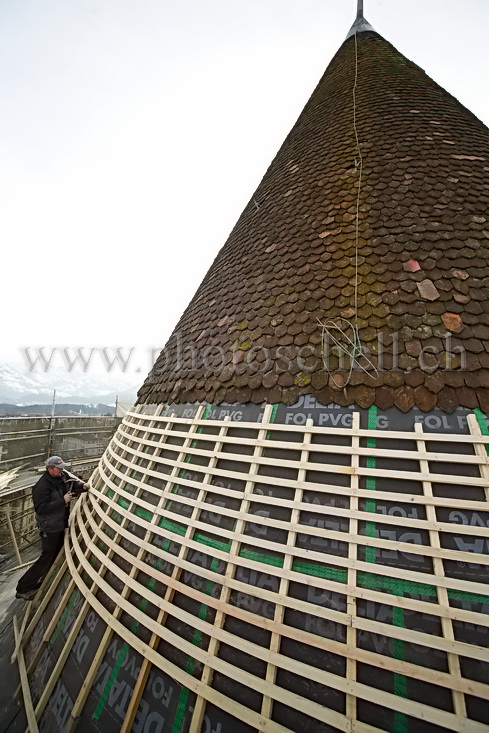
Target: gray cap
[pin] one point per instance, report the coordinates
(55, 462)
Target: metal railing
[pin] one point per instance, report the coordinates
(18, 529)
(73, 437)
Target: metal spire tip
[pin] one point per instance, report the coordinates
(360, 25)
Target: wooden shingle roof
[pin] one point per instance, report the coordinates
(252, 331)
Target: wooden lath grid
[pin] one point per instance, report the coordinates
(272, 562)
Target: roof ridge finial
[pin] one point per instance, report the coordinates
(360, 25)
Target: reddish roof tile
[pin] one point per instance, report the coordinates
(452, 322)
(411, 266)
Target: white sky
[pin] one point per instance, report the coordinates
(133, 133)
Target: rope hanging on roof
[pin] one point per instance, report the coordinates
(335, 330)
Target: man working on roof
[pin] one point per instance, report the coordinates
(51, 496)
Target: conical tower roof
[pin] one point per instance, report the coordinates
(374, 210)
(262, 568)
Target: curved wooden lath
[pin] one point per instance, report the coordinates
(253, 572)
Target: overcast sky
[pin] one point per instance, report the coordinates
(133, 133)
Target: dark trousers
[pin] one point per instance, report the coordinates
(51, 545)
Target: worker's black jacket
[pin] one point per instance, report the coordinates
(48, 496)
